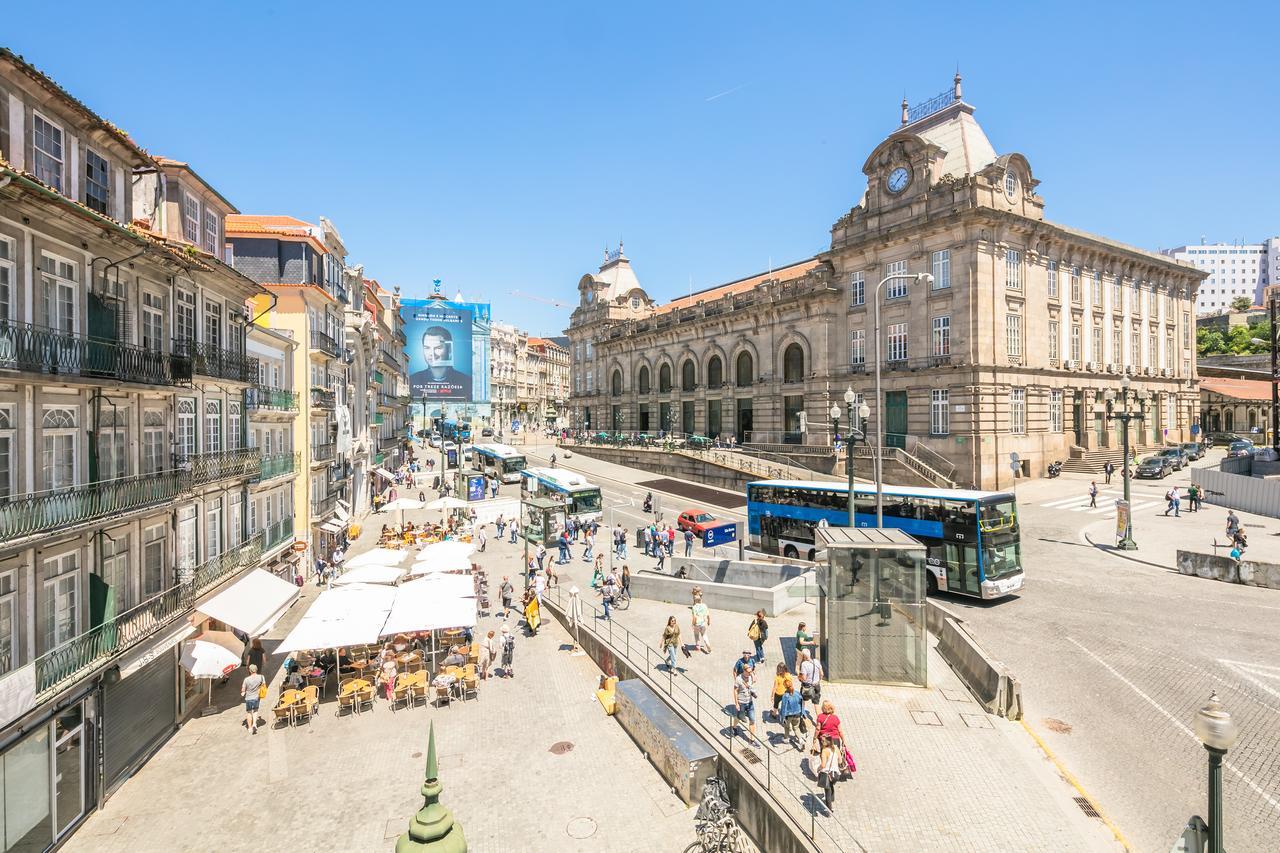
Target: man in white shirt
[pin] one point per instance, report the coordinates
(810, 671)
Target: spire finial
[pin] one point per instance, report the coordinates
(957, 82)
(904, 108)
(432, 829)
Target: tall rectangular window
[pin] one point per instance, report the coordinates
(184, 316)
(8, 623)
(1135, 350)
(46, 143)
(1097, 290)
(1075, 284)
(152, 322)
(897, 288)
(1096, 355)
(1075, 342)
(213, 323)
(213, 529)
(858, 346)
(857, 289)
(1055, 411)
(61, 594)
(7, 440)
(191, 218)
(1013, 269)
(1117, 294)
(154, 559)
(1055, 343)
(1018, 411)
(1117, 356)
(234, 424)
(7, 278)
(97, 182)
(897, 342)
(1052, 279)
(212, 426)
(942, 269)
(1186, 330)
(58, 447)
(942, 335)
(939, 412)
(1168, 351)
(59, 294)
(1013, 337)
(186, 432)
(1152, 354)
(210, 231)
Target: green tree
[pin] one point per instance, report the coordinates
(1242, 303)
(1210, 342)
(1239, 340)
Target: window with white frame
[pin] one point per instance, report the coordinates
(115, 568)
(58, 446)
(186, 423)
(897, 342)
(1135, 349)
(1013, 269)
(213, 528)
(941, 262)
(8, 436)
(1186, 330)
(97, 182)
(234, 424)
(939, 412)
(942, 335)
(184, 315)
(1096, 354)
(212, 425)
(7, 279)
(1018, 411)
(1075, 284)
(191, 218)
(46, 143)
(857, 289)
(213, 323)
(153, 434)
(1152, 355)
(1013, 336)
(58, 292)
(153, 322)
(154, 559)
(897, 288)
(1117, 345)
(1051, 280)
(61, 596)
(1075, 342)
(1117, 293)
(1055, 411)
(1097, 290)
(1055, 342)
(1168, 350)
(113, 443)
(858, 346)
(8, 621)
(210, 231)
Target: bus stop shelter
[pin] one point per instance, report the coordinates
(871, 606)
(544, 518)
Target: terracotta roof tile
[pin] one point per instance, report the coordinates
(1240, 389)
(742, 285)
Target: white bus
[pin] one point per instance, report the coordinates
(499, 460)
(581, 497)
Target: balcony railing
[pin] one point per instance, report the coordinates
(324, 506)
(201, 359)
(389, 443)
(324, 343)
(218, 465)
(81, 655)
(261, 397)
(322, 399)
(323, 452)
(339, 472)
(388, 401)
(278, 533)
(39, 349)
(388, 355)
(39, 512)
(280, 464)
(376, 378)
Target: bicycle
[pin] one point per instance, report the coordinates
(714, 822)
(622, 600)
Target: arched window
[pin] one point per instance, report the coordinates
(793, 364)
(687, 375)
(745, 369)
(664, 379)
(642, 383)
(1253, 418)
(616, 383)
(1228, 420)
(715, 372)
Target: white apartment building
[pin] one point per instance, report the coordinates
(1235, 270)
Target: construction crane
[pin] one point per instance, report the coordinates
(552, 302)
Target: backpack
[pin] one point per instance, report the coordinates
(753, 633)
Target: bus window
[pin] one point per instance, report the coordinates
(1001, 560)
(998, 515)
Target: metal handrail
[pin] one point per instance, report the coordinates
(324, 343)
(218, 465)
(203, 359)
(323, 399)
(708, 712)
(38, 512)
(280, 464)
(30, 348)
(276, 399)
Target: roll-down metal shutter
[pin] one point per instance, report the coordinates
(138, 713)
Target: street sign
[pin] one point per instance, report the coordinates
(720, 534)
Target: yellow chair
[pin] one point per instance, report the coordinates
(283, 712)
(470, 681)
(418, 685)
(403, 691)
(307, 705)
(605, 695)
(364, 695)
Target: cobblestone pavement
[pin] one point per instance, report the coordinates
(351, 783)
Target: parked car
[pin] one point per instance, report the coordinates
(697, 520)
(1243, 447)
(487, 432)
(434, 441)
(1217, 438)
(1154, 468)
(1194, 450)
(1177, 456)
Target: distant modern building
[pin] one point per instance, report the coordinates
(1233, 269)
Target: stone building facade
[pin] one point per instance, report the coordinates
(1010, 347)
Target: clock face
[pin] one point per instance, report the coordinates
(898, 180)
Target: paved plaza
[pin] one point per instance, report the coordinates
(351, 783)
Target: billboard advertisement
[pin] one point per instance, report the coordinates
(448, 350)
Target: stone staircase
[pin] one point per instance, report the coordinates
(1091, 461)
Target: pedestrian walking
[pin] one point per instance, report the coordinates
(607, 592)
(501, 524)
(590, 541)
(805, 642)
(1193, 498)
(670, 641)
(782, 682)
(540, 554)
(257, 655)
(662, 559)
(508, 653)
(744, 703)
(626, 579)
(648, 541)
(791, 706)
(563, 544)
(1093, 493)
(701, 625)
(490, 647)
(688, 542)
(252, 691)
(514, 529)
(757, 633)
(493, 488)
(506, 591)
(829, 771)
(1108, 468)
(482, 537)
(810, 672)
(1174, 502)
(1233, 524)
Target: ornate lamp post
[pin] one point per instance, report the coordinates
(864, 412)
(1124, 416)
(1217, 731)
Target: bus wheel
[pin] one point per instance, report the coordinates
(931, 583)
(813, 553)
(790, 552)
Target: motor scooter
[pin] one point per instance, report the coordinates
(1055, 468)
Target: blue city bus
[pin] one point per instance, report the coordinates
(451, 430)
(499, 460)
(581, 499)
(971, 537)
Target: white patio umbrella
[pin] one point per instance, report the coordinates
(443, 563)
(446, 503)
(402, 504)
(370, 574)
(377, 557)
(448, 548)
(213, 654)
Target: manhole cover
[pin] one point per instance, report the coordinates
(749, 755)
(580, 827)
(925, 718)
(1057, 726)
(560, 748)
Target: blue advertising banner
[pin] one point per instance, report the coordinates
(447, 349)
(720, 534)
(475, 487)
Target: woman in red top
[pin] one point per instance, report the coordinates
(828, 725)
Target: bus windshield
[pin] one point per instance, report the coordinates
(1001, 557)
(586, 501)
(998, 514)
(512, 466)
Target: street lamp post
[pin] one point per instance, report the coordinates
(1124, 416)
(1275, 373)
(879, 463)
(1217, 731)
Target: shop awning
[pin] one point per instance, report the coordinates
(383, 472)
(332, 526)
(343, 505)
(342, 514)
(131, 662)
(253, 604)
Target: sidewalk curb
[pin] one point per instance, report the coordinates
(1075, 783)
(1114, 553)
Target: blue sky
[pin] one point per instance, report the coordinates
(500, 149)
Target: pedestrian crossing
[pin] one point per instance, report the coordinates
(1106, 503)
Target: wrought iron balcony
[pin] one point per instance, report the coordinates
(82, 655)
(323, 506)
(325, 344)
(205, 468)
(322, 399)
(278, 533)
(388, 401)
(339, 473)
(264, 398)
(37, 349)
(376, 378)
(323, 452)
(196, 358)
(389, 356)
(55, 509)
(280, 465)
(389, 443)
